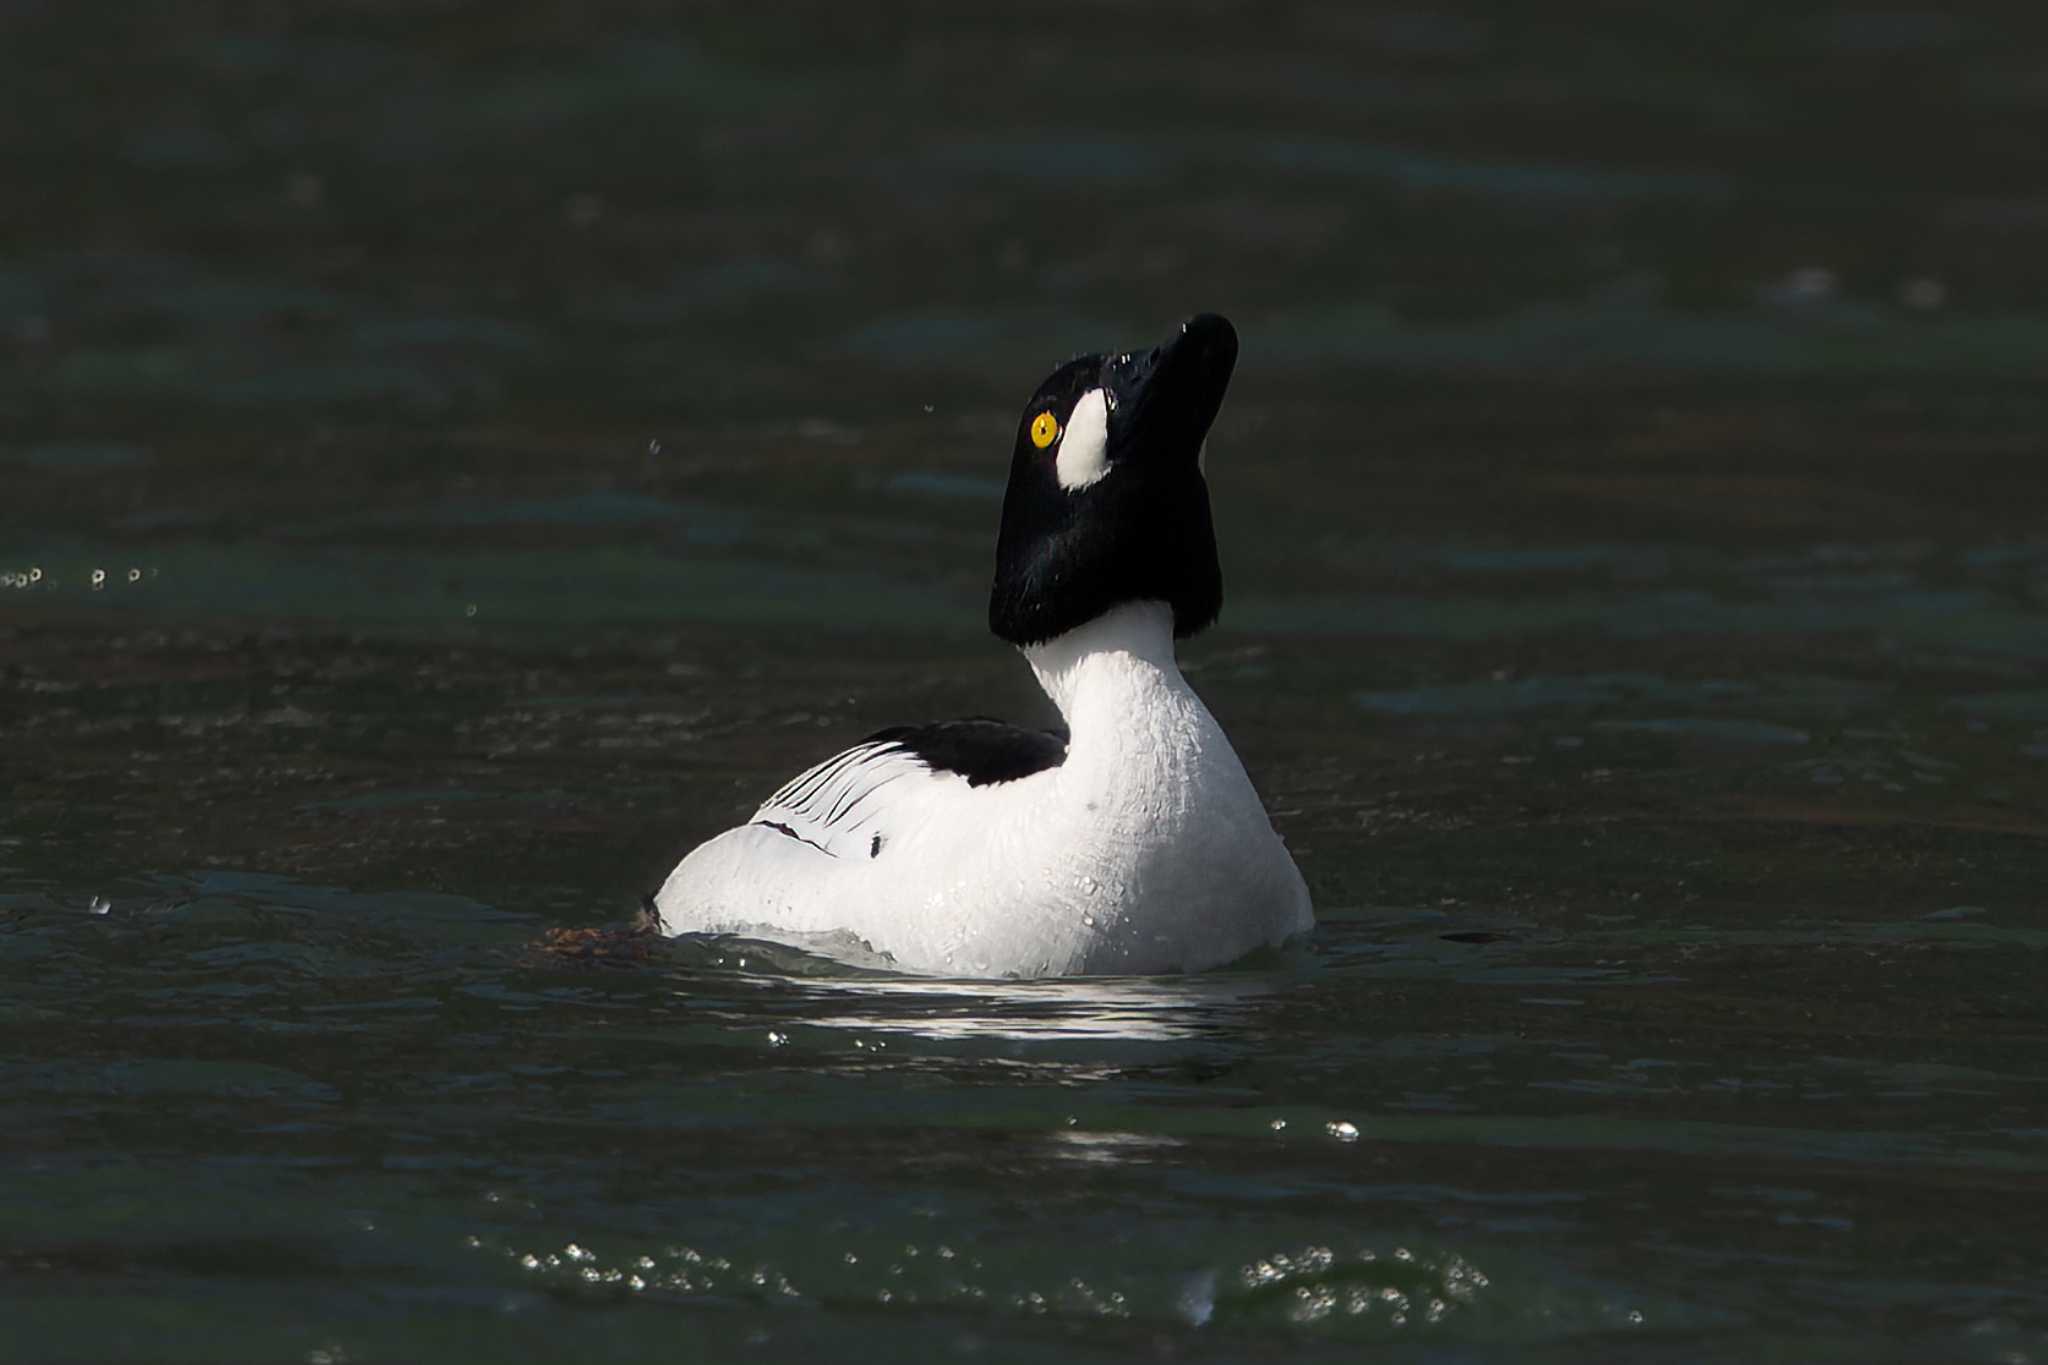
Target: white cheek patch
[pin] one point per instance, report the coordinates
(1084, 444)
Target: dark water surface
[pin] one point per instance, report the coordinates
(453, 459)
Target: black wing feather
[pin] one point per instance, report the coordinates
(982, 750)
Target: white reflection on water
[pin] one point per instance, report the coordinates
(1138, 1009)
(1100, 1147)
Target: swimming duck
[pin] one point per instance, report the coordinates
(1128, 841)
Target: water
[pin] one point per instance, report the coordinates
(454, 463)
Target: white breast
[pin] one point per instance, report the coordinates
(1146, 851)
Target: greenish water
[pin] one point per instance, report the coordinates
(453, 461)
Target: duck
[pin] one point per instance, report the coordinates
(1127, 841)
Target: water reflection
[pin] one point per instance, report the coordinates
(1143, 1009)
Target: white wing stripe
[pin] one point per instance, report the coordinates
(819, 805)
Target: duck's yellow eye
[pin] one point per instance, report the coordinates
(1044, 429)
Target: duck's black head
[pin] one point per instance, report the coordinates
(1107, 503)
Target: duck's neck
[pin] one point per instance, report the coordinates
(1115, 677)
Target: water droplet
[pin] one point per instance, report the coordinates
(1277, 1124)
(1196, 1301)
(1635, 1317)
(777, 1039)
(100, 905)
(530, 1261)
(469, 610)
(99, 578)
(1342, 1130)
(135, 575)
(654, 446)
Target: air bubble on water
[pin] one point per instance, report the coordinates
(100, 905)
(530, 1261)
(777, 1039)
(135, 575)
(1342, 1130)
(1277, 1124)
(99, 579)
(654, 446)
(469, 610)
(1635, 1317)
(577, 1253)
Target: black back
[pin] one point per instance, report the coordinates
(981, 750)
